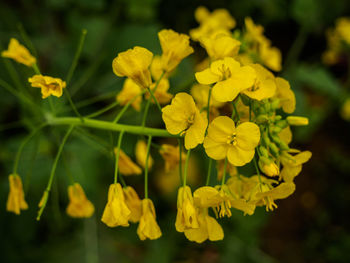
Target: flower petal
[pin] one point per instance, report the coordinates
(248, 135)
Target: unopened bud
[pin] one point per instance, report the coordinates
(282, 124)
(297, 121)
(262, 119)
(265, 139)
(263, 151)
(275, 104)
(270, 169)
(274, 149)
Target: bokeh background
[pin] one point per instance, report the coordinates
(310, 226)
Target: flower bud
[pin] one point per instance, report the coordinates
(263, 151)
(274, 149)
(270, 169)
(263, 118)
(282, 124)
(265, 139)
(275, 104)
(297, 121)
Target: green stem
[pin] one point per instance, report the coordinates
(155, 100)
(53, 170)
(117, 157)
(126, 106)
(234, 115)
(146, 165)
(36, 69)
(224, 174)
(257, 171)
(121, 178)
(104, 125)
(73, 106)
(209, 171)
(103, 110)
(186, 167)
(180, 159)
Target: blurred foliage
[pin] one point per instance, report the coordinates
(310, 227)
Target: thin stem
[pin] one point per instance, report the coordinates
(155, 100)
(180, 159)
(126, 106)
(257, 171)
(53, 170)
(117, 157)
(36, 69)
(224, 175)
(52, 107)
(73, 106)
(209, 171)
(121, 178)
(186, 167)
(103, 110)
(234, 115)
(20, 149)
(146, 165)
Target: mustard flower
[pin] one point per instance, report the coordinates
(15, 201)
(125, 165)
(229, 76)
(148, 227)
(141, 154)
(79, 206)
(116, 212)
(186, 212)
(161, 93)
(270, 56)
(48, 85)
(134, 64)
(254, 32)
(220, 46)
(175, 48)
(171, 156)
(285, 95)
(225, 140)
(292, 165)
(183, 117)
(19, 53)
(129, 92)
(133, 202)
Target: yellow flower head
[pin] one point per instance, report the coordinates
(254, 32)
(186, 212)
(116, 212)
(270, 56)
(225, 140)
(48, 85)
(206, 196)
(125, 165)
(19, 53)
(264, 86)
(345, 110)
(148, 227)
(141, 154)
(171, 156)
(175, 48)
(79, 206)
(129, 92)
(182, 116)
(220, 46)
(15, 201)
(229, 76)
(161, 93)
(134, 63)
(292, 165)
(208, 228)
(268, 167)
(285, 95)
(133, 202)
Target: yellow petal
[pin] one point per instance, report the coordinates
(215, 231)
(207, 77)
(238, 156)
(248, 135)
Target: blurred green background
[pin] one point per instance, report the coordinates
(310, 226)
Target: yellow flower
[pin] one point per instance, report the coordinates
(148, 227)
(343, 28)
(125, 165)
(254, 32)
(186, 212)
(15, 201)
(48, 85)
(134, 64)
(224, 139)
(141, 154)
(209, 228)
(129, 92)
(270, 56)
(229, 76)
(19, 53)
(171, 156)
(116, 212)
(200, 94)
(285, 95)
(161, 93)
(264, 86)
(292, 165)
(182, 116)
(297, 121)
(175, 48)
(286, 135)
(345, 110)
(157, 68)
(268, 167)
(79, 205)
(133, 202)
(220, 46)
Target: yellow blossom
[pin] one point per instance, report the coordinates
(125, 165)
(129, 92)
(15, 201)
(116, 212)
(229, 76)
(285, 95)
(286, 135)
(186, 212)
(134, 64)
(264, 86)
(175, 47)
(79, 206)
(157, 68)
(48, 85)
(268, 167)
(225, 140)
(220, 46)
(161, 93)
(297, 121)
(292, 165)
(200, 94)
(141, 154)
(171, 156)
(270, 56)
(345, 110)
(19, 53)
(254, 32)
(183, 117)
(148, 227)
(133, 202)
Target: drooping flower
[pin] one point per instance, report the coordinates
(133, 202)
(141, 154)
(175, 47)
(224, 139)
(116, 212)
(285, 95)
(48, 85)
(125, 165)
(79, 206)
(148, 227)
(134, 64)
(19, 53)
(229, 76)
(130, 92)
(292, 165)
(186, 212)
(15, 201)
(161, 93)
(220, 46)
(171, 156)
(183, 117)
